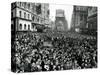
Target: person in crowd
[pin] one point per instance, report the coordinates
(67, 51)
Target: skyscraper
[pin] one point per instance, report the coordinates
(92, 20)
(79, 18)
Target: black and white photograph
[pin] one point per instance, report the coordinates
(53, 37)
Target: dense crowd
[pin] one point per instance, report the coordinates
(53, 51)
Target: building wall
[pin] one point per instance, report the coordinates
(21, 18)
(79, 18)
(24, 5)
(22, 14)
(87, 20)
(45, 14)
(23, 22)
(42, 18)
(13, 12)
(92, 18)
(33, 18)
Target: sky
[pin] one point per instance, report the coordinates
(67, 8)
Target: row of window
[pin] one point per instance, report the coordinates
(25, 15)
(20, 27)
(25, 5)
(37, 19)
(20, 14)
(81, 8)
(34, 18)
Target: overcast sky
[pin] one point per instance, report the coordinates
(67, 8)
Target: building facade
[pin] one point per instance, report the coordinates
(60, 21)
(84, 20)
(27, 16)
(92, 19)
(79, 18)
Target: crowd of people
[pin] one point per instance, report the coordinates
(63, 51)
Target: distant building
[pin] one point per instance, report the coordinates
(79, 18)
(60, 21)
(27, 16)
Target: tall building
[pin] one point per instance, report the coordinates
(92, 19)
(40, 15)
(79, 18)
(26, 16)
(60, 21)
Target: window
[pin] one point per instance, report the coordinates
(28, 6)
(48, 12)
(20, 3)
(33, 8)
(24, 4)
(28, 16)
(20, 13)
(81, 17)
(25, 26)
(37, 19)
(28, 27)
(20, 27)
(11, 14)
(33, 18)
(25, 15)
